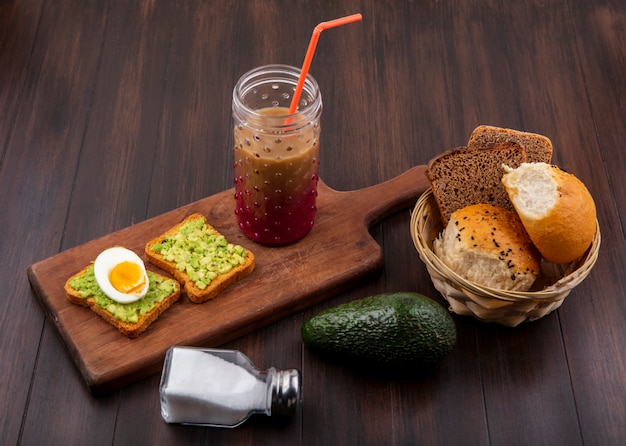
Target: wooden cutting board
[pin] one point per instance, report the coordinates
(337, 253)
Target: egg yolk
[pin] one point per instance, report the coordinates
(127, 277)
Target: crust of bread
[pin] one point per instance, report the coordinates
(217, 285)
(564, 232)
(488, 245)
(538, 147)
(464, 176)
(126, 328)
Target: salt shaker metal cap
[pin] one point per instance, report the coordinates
(286, 392)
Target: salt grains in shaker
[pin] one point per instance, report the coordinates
(214, 387)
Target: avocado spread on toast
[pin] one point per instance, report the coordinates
(159, 288)
(200, 252)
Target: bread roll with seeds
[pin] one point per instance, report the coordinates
(489, 246)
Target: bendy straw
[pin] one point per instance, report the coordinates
(311, 50)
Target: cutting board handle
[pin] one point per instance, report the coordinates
(339, 251)
(376, 202)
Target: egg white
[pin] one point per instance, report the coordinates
(103, 265)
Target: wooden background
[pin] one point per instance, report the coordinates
(113, 112)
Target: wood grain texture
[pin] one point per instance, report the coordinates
(335, 254)
(114, 112)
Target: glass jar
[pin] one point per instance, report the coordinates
(215, 387)
(276, 155)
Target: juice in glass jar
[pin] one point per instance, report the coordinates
(276, 159)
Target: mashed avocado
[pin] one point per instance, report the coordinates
(200, 252)
(159, 289)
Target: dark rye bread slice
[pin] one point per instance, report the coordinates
(464, 176)
(538, 147)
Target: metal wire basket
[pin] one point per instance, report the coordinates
(509, 308)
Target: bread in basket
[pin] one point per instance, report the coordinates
(509, 308)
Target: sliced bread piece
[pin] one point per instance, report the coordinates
(464, 176)
(200, 258)
(538, 147)
(130, 319)
(556, 209)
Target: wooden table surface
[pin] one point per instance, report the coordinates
(114, 112)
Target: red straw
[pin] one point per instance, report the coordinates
(309, 53)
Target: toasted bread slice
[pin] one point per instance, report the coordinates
(95, 299)
(218, 279)
(464, 176)
(538, 147)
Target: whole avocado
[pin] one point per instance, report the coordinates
(393, 329)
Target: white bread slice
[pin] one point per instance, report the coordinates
(464, 176)
(129, 329)
(488, 245)
(555, 207)
(217, 285)
(538, 147)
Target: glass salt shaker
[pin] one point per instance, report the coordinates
(216, 387)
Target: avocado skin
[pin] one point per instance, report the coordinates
(393, 329)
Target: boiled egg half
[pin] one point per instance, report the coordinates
(121, 275)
